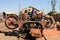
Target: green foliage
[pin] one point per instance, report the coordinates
(51, 13)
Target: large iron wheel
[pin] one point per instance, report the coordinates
(49, 21)
(26, 27)
(12, 22)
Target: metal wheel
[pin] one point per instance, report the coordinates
(49, 21)
(12, 22)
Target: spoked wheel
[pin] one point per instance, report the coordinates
(12, 22)
(49, 21)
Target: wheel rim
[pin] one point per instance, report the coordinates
(11, 22)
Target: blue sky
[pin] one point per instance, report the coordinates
(13, 5)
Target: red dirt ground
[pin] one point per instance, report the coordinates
(50, 34)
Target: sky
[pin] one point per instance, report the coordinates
(13, 5)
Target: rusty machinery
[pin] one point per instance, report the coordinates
(27, 28)
(57, 20)
(11, 21)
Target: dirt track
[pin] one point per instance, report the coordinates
(50, 34)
